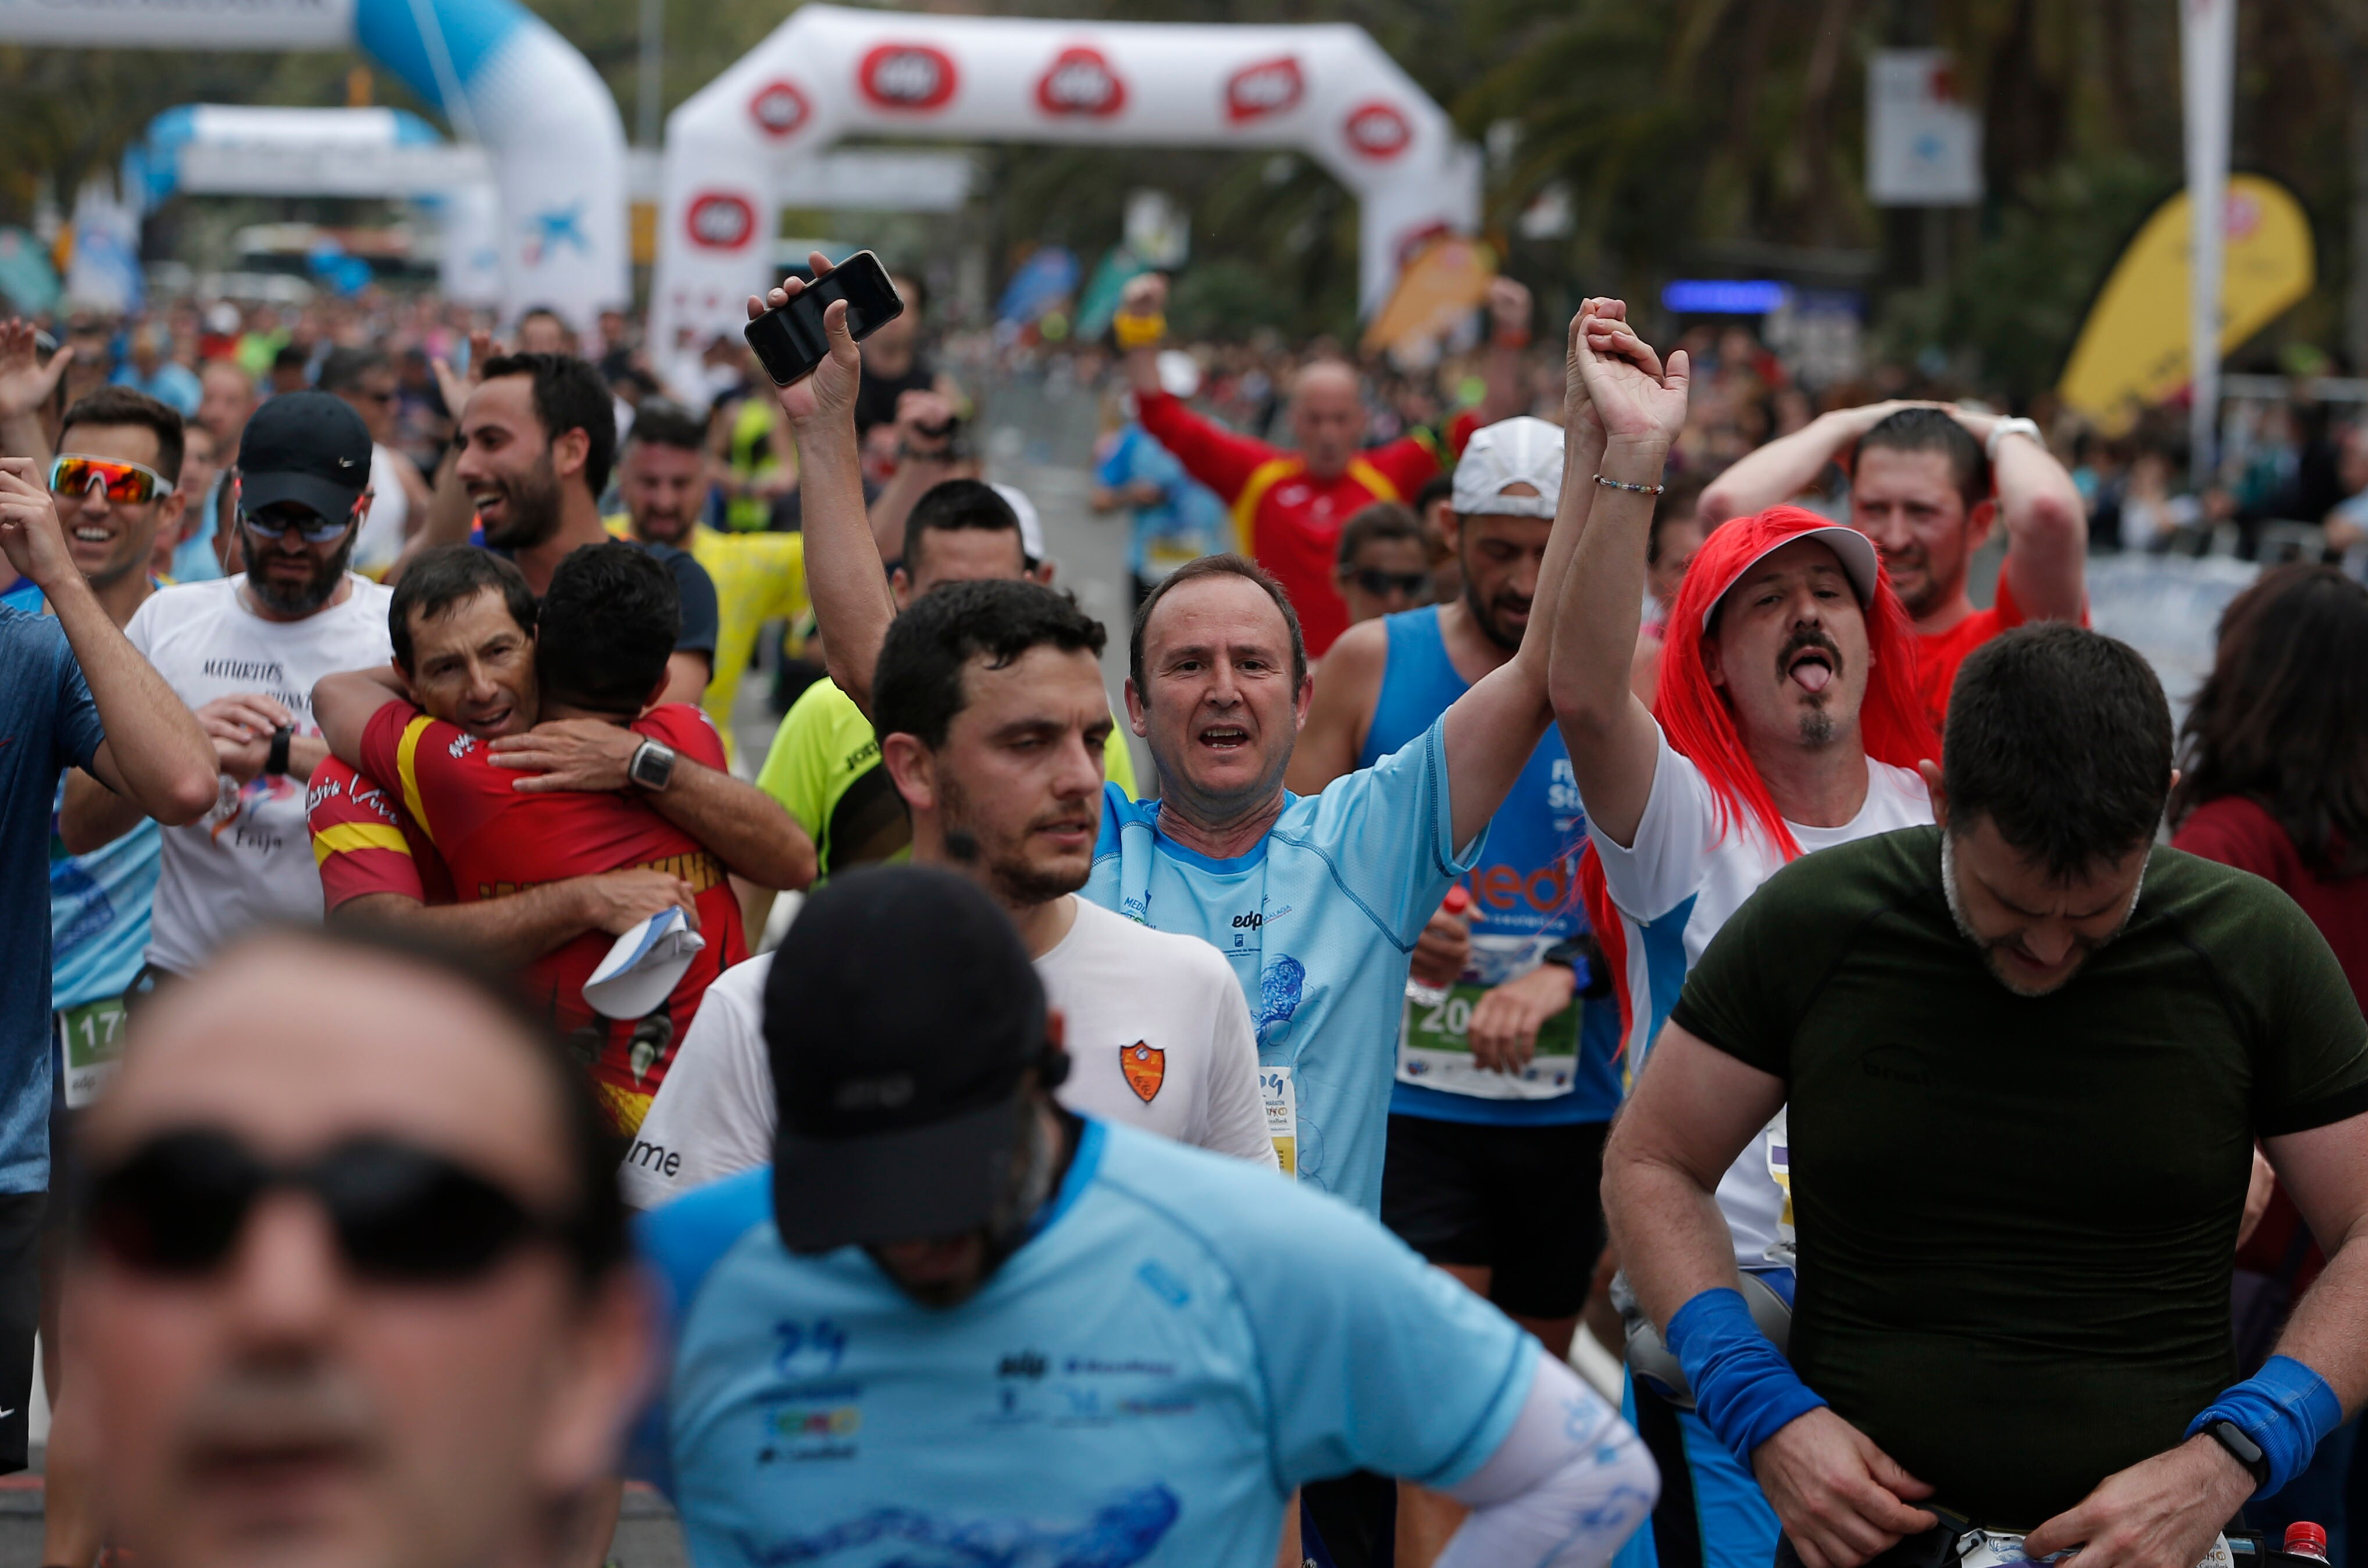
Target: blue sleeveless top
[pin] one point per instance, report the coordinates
(1524, 891)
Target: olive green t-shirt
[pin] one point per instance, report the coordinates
(2016, 1215)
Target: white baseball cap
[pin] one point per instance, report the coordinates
(1520, 450)
(1032, 526)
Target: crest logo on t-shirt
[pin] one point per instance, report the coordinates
(1145, 1069)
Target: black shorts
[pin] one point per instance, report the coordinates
(1518, 1201)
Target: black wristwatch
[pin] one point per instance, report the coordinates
(2241, 1448)
(653, 765)
(276, 764)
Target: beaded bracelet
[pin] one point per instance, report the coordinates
(1623, 485)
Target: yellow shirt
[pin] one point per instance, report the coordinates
(758, 577)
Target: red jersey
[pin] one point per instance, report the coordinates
(365, 843)
(1285, 519)
(498, 841)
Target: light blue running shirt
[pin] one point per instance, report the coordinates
(98, 911)
(1183, 1342)
(1319, 922)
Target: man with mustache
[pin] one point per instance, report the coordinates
(1788, 721)
(244, 652)
(1927, 483)
(351, 1270)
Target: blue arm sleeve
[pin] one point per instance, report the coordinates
(1743, 1386)
(2286, 1408)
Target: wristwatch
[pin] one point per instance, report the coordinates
(2005, 427)
(2241, 1448)
(276, 764)
(653, 765)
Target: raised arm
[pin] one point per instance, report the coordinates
(1786, 467)
(844, 576)
(1621, 430)
(26, 384)
(154, 754)
(2046, 523)
(343, 703)
(1503, 375)
(1217, 458)
(1613, 740)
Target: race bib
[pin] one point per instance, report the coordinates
(1435, 1050)
(1281, 1116)
(91, 1038)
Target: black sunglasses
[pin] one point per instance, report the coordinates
(176, 1204)
(1377, 582)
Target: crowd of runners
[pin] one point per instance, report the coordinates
(1579, 889)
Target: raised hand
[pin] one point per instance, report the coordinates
(1145, 294)
(829, 392)
(1637, 400)
(25, 383)
(1577, 409)
(455, 386)
(31, 536)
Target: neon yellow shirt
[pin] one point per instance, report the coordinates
(758, 577)
(824, 769)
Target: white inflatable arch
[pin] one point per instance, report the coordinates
(830, 72)
(503, 78)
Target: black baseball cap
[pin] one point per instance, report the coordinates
(901, 1016)
(306, 447)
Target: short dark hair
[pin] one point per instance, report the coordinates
(344, 368)
(2062, 737)
(290, 356)
(2283, 719)
(568, 395)
(1217, 566)
(663, 423)
(1438, 487)
(452, 574)
(1681, 499)
(608, 626)
(1933, 430)
(122, 407)
(1377, 520)
(593, 1231)
(916, 686)
(952, 505)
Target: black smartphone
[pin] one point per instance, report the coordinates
(789, 339)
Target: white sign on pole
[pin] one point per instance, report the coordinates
(1157, 230)
(211, 24)
(2207, 61)
(1923, 147)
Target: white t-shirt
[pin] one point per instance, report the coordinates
(1676, 886)
(382, 531)
(1157, 1032)
(250, 859)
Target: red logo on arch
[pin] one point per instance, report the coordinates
(778, 109)
(718, 220)
(1264, 88)
(916, 77)
(1080, 82)
(1378, 130)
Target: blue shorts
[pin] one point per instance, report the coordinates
(1711, 1514)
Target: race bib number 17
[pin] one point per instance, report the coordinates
(92, 1039)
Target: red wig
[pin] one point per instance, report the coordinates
(1694, 714)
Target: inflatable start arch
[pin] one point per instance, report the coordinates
(830, 72)
(502, 76)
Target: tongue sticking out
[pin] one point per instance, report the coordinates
(1812, 675)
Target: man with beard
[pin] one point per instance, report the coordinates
(351, 1271)
(991, 720)
(2025, 1326)
(244, 652)
(1927, 483)
(537, 435)
(1505, 1084)
(1788, 721)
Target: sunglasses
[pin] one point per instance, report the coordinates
(1379, 582)
(127, 484)
(176, 1205)
(320, 530)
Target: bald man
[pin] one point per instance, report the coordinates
(351, 1283)
(1288, 505)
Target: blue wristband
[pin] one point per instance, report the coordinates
(1743, 1389)
(2286, 1408)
